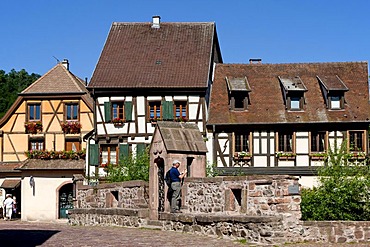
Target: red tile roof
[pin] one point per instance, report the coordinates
(135, 55)
(266, 99)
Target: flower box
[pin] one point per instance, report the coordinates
(242, 155)
(71, 127)
(357, 156)
(33, 127)
(285, 156)
(48, 155)
(181, 119)
(118, 122)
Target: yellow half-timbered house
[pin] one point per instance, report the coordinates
(41, 144)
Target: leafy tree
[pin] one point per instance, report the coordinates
(343, 192)
(130, 168)
(11, 84)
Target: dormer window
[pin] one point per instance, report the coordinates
(333, 89)
(293, 92)
(238, 90)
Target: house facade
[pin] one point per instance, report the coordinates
(149, 72)
(41, 141)
(283, 118)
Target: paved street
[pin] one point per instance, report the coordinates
(26, 234)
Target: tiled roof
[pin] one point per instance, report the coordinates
(57, 164)
(267, 101)
(184, 137)
(57, 80)
(9, 166)
(136, 55)
(10, 183)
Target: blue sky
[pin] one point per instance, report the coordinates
(278, 31)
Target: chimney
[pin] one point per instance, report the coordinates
(65, 63)
(255, 60)
(156, 21)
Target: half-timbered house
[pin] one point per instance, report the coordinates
(149, 72)
(282, 118)
(41, 141)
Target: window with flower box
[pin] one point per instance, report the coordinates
(356, 141)
(117, 112)
(154, 110)
(285, 145)
(34, 112)
(36, 144)
(71, 111)
(241, 144)
(108, 155)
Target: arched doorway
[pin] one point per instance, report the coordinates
(161, 190)
(65, 200)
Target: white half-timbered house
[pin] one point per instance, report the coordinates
(149, 72)
(281, 118)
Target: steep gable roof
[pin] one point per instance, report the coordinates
(267, 102)
(57, 80)
(176, 55)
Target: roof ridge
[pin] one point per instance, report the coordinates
(298, 63)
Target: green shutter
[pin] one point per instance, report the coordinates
(128, 110)
(123, 151)
(167, 110)
(93, 154)
(107, 111)
(140, 148)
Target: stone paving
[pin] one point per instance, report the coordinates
(27, 234)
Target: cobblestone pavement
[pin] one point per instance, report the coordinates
(27, 234)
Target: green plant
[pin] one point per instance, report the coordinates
(47, 155)
(284, 154)
(210, 170)
(343, 191)
(130, 168)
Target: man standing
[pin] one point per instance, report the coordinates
(176, 177)
(8, 206)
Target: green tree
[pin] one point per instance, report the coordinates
(11, 84)
(130, 168)
(343, 191)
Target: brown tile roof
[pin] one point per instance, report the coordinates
(57, 80)
(57, 164)
(138, 56)
(266, 99)
(10, 183)
(9, 166)
(184, 137)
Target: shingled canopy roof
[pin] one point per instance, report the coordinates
(266, 99)
(53, 164)
(175, 55)
(183, 137)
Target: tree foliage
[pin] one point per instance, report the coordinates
(130, 168)
(11, 84)
(343, 191)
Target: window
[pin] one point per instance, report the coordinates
(335, 102)
(72, 145)
(318, 141)
(154, 110)
(241, 143)
(181, 109)
(295, 103)
(71, 111)
(36, 144)
(285, 142)
(118, 110)
(34, 112)
(356, 141)
(109, 154)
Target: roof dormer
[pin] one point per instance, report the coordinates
(333, 89)
(293, 90)
(238, 91)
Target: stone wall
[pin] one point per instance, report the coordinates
(131, 194)
(260, 209)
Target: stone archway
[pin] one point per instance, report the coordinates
(161, 185)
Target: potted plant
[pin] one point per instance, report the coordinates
(318, 156)
(118, 121)
(33, 127)
(356, 155)
(285, 155)
(71, 127)
(243, 155)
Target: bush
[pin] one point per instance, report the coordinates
(130, 168)
(343, 193)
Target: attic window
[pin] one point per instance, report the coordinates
(238, 90)
(293, 91)
(333, 89)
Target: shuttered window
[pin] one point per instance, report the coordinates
(140, 148)
(167, 110)
(123, 151)
(107, 112)
(93, 154)
(128, 110)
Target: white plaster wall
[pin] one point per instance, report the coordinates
(140, 105)
(209, 145)
(302, 160)
(41, 205)
(308, 181)
(260, 161)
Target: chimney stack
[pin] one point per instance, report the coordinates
(65, 63)
(156, 21)
(255, 60)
